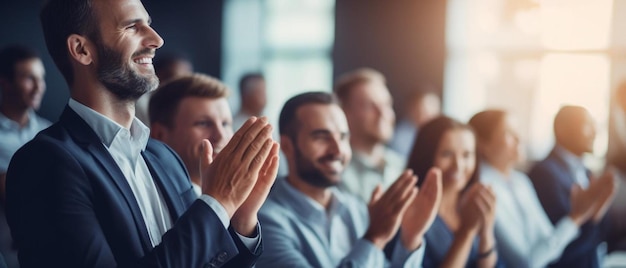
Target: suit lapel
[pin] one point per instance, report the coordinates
(88, 139)
(168, 190)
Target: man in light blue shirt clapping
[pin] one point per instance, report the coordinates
(307, 222)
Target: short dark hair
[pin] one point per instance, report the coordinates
(59, 20)
(422, 156)
(245, 80)
(288, 123)
(11, 56)
(166, 99)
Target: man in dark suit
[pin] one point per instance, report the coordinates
(561, 172)
(94, 191)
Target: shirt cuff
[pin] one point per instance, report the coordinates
(218, 209)
(401, 257)
(365, 254)
(251, 243)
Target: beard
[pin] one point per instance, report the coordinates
(126, 84)
(312, 175)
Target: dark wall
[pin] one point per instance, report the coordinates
(190, 27)
(404, 39)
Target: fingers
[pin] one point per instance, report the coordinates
(432, 184)
(575, 191)
(270, 167)
(239, 134)
(401, 185)
(206, 154)
(376, 194)
(256, 161)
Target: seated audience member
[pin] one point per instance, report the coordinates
(186, 111)
(22, 86)
(366, 101)
(524, 234)
(462, 234)
(554, 177)
(422, 107)
(309, 223)
(166, 68)
(253, 98)
(93, 190)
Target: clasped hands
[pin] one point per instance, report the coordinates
(242, 174)
(404, 206)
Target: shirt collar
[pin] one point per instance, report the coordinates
(572, 161)
(308, 208)
(7, 123)
(107, 129)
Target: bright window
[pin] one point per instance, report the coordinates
(530, 58)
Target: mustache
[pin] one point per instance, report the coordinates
(330, 157)
(144, 52)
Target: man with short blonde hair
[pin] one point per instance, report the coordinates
(366, 101)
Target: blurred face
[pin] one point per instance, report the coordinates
(28, 85)
(256, 96)
(126, 47)
(322, 146)
(456, 157)
(584, 134)
(370, 113)
(197, 119)
(504, 145)
(426, 109)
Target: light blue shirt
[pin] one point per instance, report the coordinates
(403, 137)
(299, 232)
(13, 136)
(362, 176)
(524, 234)
(125, 146)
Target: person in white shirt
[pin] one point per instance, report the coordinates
(22, 87)
(524, 234)
(253, 97)
(367, 103)
(186, 111)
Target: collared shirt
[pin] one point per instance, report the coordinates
(524, 234)
(13, 136)
(125, 146)
(299, 232)
(361, 176)
(575, 165)
(403, 137)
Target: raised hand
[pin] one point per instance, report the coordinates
(422, 211)
(469, 209)
(245, 219)
(607, 185)
(230, 177)
(386, 210)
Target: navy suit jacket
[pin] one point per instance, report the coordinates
(69, 205)
(553, 182)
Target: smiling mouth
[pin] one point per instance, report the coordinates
(144, 60)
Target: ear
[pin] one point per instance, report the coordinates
(80, 49)
(286, 144)
(158, 131)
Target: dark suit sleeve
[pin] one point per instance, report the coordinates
(55, 211)
(554, 194)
